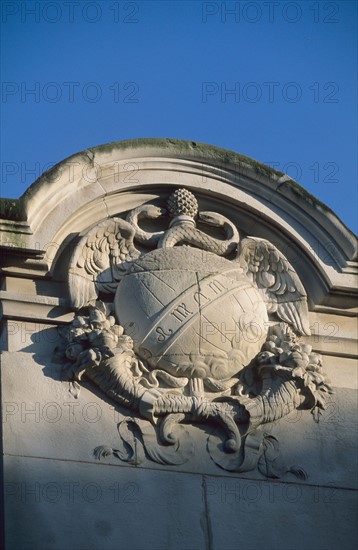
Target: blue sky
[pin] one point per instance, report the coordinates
(276, 81)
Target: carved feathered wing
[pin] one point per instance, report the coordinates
(277, 281)
(99, 261)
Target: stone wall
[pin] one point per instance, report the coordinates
(57, 494)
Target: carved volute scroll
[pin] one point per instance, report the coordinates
(180, 326)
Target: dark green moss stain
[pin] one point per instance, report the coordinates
(51, 176)
(302, 193)
(217, 155)
(11, 209)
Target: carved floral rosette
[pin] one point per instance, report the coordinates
(192, 324)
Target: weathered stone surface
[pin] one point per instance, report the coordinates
(185, 315)
(278, 515)
(63, 504)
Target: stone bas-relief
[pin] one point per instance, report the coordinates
(180, 325)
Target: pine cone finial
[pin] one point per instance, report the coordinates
(182, 202)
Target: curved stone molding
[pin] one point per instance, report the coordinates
(108, 180)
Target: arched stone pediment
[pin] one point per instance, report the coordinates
(176, 319)
(110, 180)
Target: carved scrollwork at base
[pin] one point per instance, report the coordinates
(201, 329)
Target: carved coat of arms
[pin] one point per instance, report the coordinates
(185, 326)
